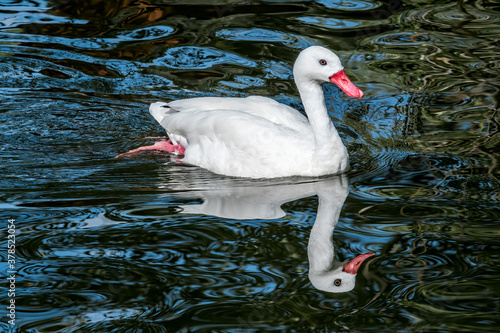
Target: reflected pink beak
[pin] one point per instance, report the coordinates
(353, 265)
(341, 80)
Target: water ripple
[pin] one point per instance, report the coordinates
(199, 58)
(350, 5)
(264, 35)
(107, 245)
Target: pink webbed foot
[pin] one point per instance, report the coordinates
(159, 146)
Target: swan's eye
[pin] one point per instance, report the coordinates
(337, 282)
(322, 62)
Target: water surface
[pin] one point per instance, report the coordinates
(147, 245)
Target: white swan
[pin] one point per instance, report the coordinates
(257, 137)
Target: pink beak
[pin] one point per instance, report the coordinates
(341, 80)
(353, 265)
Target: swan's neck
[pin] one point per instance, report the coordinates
(320, 248)
(325, 134)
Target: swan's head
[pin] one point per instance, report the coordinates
(321, 65)
(339, 280)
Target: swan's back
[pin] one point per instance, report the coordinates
(259, 106)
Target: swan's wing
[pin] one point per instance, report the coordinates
(264, 107)
(229, 126)
(237, 143)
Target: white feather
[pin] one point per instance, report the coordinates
(258, 137)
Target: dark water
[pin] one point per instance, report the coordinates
(146, 245)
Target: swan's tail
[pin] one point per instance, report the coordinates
(160, 110)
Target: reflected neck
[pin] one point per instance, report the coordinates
(320, 249)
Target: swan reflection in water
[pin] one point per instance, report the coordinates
(251, 199)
